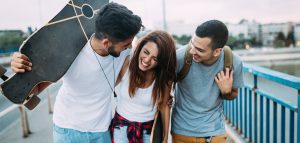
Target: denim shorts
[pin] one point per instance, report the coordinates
(65, 135)
(120, 135)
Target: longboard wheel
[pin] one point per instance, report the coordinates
(32, 102)
(2, 71)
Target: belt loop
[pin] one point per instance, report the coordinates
(208, 139)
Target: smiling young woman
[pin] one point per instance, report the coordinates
(145, 83)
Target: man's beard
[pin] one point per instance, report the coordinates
(112, 52)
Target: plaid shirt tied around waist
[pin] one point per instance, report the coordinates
(134, 129)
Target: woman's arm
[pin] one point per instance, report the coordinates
(123, 70)
(165, 113)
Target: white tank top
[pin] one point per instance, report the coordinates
(138, 108)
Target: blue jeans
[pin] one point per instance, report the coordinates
(65, 135)
(120, 135)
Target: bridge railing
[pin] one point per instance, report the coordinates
(266, 109)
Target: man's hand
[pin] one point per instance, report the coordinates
(20, 63)
(224, 81)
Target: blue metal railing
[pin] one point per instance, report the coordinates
(260, 115)
(8, 50)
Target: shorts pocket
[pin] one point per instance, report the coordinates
(60, 130)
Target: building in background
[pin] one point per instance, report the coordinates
(266, 34)
(297, 34)
(245, 30)
(270, 32)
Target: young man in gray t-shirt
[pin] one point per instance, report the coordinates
(198, 112)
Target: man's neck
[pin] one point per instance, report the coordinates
(98, 47)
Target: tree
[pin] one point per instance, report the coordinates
(183, 39)
(231, 42)
(290, 40)
(10, 40)
(279, 41)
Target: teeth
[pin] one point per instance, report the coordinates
(144, 64)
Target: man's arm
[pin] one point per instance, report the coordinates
(123, 70)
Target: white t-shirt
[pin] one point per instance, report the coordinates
(139, 108)
(84, 102)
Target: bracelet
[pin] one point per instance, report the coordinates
(226, 95)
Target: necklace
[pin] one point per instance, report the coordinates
(110, 85)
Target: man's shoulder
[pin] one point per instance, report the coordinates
(236, 59)
(180, 52)
(125, 53)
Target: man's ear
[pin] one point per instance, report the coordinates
(217, 52)
(106, 42)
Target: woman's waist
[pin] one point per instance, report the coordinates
(136, 114)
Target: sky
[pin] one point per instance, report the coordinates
(19, 14)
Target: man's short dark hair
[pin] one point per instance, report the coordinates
(214, 29)
(117, 23)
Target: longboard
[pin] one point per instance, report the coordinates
(2, 73)
(157, 129)
(53, 48)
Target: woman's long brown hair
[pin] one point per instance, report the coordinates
(164, 72)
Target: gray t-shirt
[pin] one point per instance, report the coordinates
(198, 109)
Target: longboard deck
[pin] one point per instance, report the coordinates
(54, 47)
(157, 129)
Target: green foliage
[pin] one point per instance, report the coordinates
(290, 40)
(279, 44)
(240, 42)
(10, 39)
(279, 41)
(183, 39)
(231, 41)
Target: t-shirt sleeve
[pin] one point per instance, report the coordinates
(238, 80)
(180, 58)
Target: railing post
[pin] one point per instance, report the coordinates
(298, 118)
(49, 102)
(275, 122)
(267, 120)
(261, 119)
(292, 120)
(246, 112)
(282, 124)
(255, 107)
(236, 113)
(232, 112)
(241, 111)
(24, 122)
(250, 116)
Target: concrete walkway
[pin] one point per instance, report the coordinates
(39, 120)
(40, 124)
